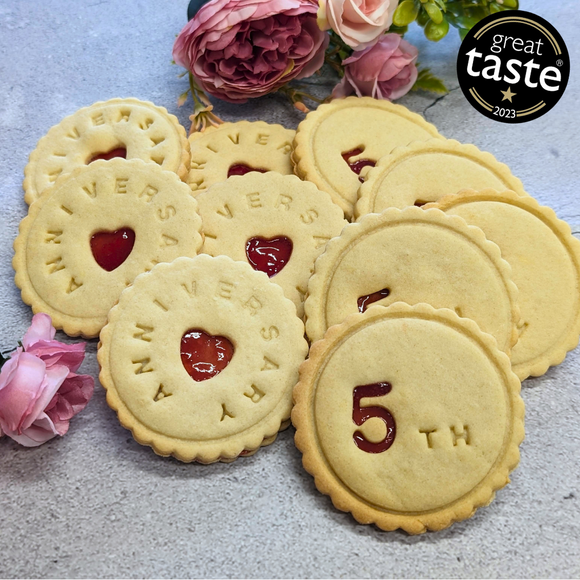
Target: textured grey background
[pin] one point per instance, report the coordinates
(95, 503)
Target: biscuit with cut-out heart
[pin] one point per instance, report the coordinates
(277, 223)
(236, 149)
(86, 238)
(413, 255)
(127, 128)
(199, 359)
(337, 140)
(408, 417)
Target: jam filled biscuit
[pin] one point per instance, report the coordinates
(126, 128)
(408, 417)
(277, 223)
(89, 236)
(413, 255)
(335, 142)
(545, 261)
(425, 171)
(236, 149)
(199, 359)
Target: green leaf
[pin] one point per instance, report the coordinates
(434, 12)
(435, 32)
(426, 81)
(422, 18)
(405, 13)
(463, 33)
(400, 30)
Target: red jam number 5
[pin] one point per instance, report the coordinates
(362, 414)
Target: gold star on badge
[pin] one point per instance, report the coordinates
(507, 95)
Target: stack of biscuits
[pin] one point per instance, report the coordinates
(416, 274)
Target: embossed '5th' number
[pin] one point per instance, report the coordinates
(362, 414)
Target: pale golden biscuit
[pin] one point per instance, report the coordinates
(75, 253)
(413, 256)
(233, 411)
(408, 417)
(277, 223)
(372, 126)
(144, 130)
(236, 148)
(545, 261)
(425, 171)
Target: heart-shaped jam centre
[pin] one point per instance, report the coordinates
(269, 255)
(203, 355)
(117, 152)
(111, 249)
(365, 301)
(357, 166)
(242, 169)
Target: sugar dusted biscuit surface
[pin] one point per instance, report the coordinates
(408, 417)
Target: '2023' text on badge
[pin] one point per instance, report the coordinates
(513, 66)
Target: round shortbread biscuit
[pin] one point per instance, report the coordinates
(237, 148)
(230, 413)
(425, 171)
(375, 127)
(55, 266)
(144, 130)
(277, 223)
(545, 261)
(413, 256)
(408, 417)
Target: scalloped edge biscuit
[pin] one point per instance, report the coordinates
(315, 326)
(72, 326)
(368, 191)
(328, 483)
(165, 446)
(564, 233)
(302, 157)
(30, 192)
(240, 126)
(306, 194)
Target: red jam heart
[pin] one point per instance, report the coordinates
(117, 152)
(111, 249)
(357, 166)
(203, 355)
(242, 169)
(269, 256)
(365, 301)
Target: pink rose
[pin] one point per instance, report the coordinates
(384, 71)
(358, 22)
(39, 390)
(239, 49)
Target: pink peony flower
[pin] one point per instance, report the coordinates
(384, 71)
(39, 390)
(358, 22)
(239, 49)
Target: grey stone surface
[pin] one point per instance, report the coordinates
(97, 504)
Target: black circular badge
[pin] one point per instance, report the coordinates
(513, 66)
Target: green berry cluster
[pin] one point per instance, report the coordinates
(435, 16)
